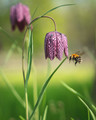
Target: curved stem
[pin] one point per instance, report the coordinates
(24, 40)
(26, 78)
(44, 88)
(42, 17)
(23, 55)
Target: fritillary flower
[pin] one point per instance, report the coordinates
(20, 16)
(55, 45)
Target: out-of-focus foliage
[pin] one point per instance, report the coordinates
(78, 22)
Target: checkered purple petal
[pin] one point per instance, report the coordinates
(20, 16)
(59, 45)
(50, 45)
(26, 14)
(55, 45)
(19, 12)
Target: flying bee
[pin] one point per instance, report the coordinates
(76, 57)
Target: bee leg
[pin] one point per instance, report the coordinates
(69, 59)
(75, 62)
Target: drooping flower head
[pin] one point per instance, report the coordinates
(55, 45)
(20, 16)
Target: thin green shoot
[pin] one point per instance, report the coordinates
(86, 103)
(45, 113)
(56, 8)
(44, 88)
(21, 118)
(91, 112)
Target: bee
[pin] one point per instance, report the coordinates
(76, 57)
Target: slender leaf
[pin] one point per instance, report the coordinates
(12, 89)
(49, 12)
(15, 93)
(93, 116)
(72, 119)
(44, 88)
(34, 12)
(45, 113)
(6, 33)
(56, 8)
(94, 107)
(40, 118)
(21, 118)
(30, 51)
(87, 104)
(88, 115)
(14, 45)
(9, 54)
(35, 90)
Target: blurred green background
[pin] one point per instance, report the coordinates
(78, 23)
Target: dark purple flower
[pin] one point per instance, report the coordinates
(20, 16)
(55, 45)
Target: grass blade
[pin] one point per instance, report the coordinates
(6, 33)
(30, 52)
(34, 12)
(45, 113)
(86, 103)
(93, 116)
(14, 45)
(49, 12)
(21, 118)
(44, 88)
(56, 8)
(12, 89)
(35, 90)
(9, 54)
(28, 71)
(88, 115)
(15, 93)
(72, 119)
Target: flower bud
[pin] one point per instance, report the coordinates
(55, 45)
(20, 16)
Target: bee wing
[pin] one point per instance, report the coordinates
(80, 53)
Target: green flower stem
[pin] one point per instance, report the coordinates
(29, 57)
(30, 53)
(26, 102)
(49, 12)
(34, 21)
(23, 56)
(43, 17)
(26, 78)
(30, 60)
(28, 70)
(44, 88)
(35, 96)
(56, 8)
